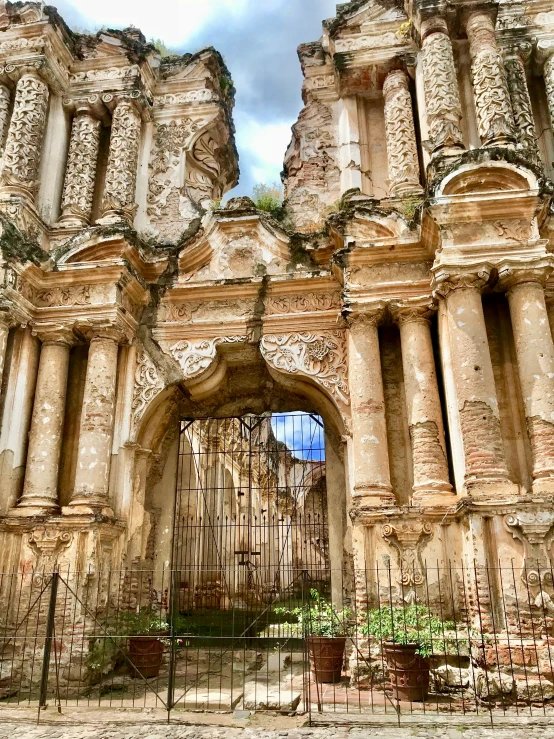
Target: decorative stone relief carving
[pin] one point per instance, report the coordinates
(514, 230)
(535, 531)
(77, 295)
(549, 84)
(119, 189)
(321, 356)
(400, 133)
(408, 539)
(442, 98)
(204, 310)
(195, 357)
(490, 86)
(24, 142)
(169, 207)
(519, 93)
(47, 544)
(148, 384)
(4, 113)
(193, 96)
(306, 303)
(80, 175)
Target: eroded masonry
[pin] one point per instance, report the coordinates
(404, 300)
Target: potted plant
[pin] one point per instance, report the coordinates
(325, 629)
(409, 636)
(145, 630)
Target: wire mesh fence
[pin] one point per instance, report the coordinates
(465, 641)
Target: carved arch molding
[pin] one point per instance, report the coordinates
(320, 356)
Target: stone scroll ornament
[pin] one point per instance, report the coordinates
(24, 143)
(47, 544)
(535, 530)
(195, 357)
(321, 356)
(408, 539)
(148, 384)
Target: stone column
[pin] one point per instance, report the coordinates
(24, 143)
(5, 97)
(515, 56)
(40, 488)
(535, 359)
(80, 174)
(485, 463)
(118, 201)
(429, 453)
(490, 86)
(400, 135)
(548, 73)
(97, 424)
(442, 97)
(371, 472)
(5, 325)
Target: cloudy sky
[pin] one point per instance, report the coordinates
(258, 39)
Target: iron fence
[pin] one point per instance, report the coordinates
(454, 640)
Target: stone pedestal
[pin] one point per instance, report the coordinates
(535, 359)
(429, 454)
(96, 429)
(40, 489)
(490, 87)
(400, 134)
(371, 472)
(442, 98)
(485, 463)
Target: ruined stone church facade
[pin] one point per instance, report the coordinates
(406, 295)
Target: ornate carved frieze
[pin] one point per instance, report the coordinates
(205, 310)
(73, 295)
(400, 134)
(192, 96)
(442, 98)
(195, 357)
(303, 303)
(148, 384)
(490, 86)
(535, 530)
(119, 189)
(408, 540)
(321, 356)
(24, 143)
(80, 175)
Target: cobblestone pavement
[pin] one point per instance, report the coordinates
(149, 731)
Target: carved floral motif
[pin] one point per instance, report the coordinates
(80, 175)
(490, 86)
(408, 539)
(201, 309)
(549, 84)
(68, 296)
(305, 303)
(400, 133)
(535, 530)
(24, 142)
(442, 99)
(320, 356)
(148, 384)
(195, 357)
(119, 190)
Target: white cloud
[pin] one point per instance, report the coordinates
(173, 21)
(266, 144)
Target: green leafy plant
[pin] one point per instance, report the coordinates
(268, 198)
(318, 617)
(415, 625)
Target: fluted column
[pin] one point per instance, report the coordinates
(97, 425)
(25, 134)
(371, 471)
(514, 61)
(429, 454)
(490, 86)
(485, 461)
(442, 97)
(40, 488)
(402, 155)
(535, 359)
(80, 174)
(119, 190)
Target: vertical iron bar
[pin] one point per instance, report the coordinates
(48, 641)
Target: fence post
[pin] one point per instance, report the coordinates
(173, 613)
(50, 623)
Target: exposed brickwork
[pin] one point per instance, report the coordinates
(484, 453)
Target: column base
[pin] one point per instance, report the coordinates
(543, 486)
(484, 490)
(88, 509)
(373, 497)
(434, 498)
(31, 511)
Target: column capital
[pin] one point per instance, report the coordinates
(110, 332)
(7, 321)
(410, 312)
(436, 24)
(445, 280)
(366, 315)
(517, 49)
(480, 29)
(512, 273)
(544, 52)
(49, 334)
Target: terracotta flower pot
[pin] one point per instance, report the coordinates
(409, 672)
(146, 653)
(326, 657)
